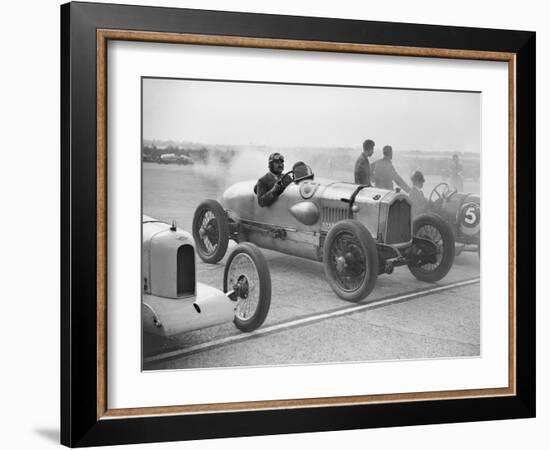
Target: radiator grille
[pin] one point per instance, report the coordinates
(186, 270)
(399, 222)
(331, 215)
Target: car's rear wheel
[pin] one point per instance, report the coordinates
(210, 231)
(246, 273)
(436, 230)
(351, 260)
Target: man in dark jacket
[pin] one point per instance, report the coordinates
(271, 185)
(385, 174)
(362, 165)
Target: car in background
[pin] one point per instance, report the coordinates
(462, 211)
(172, 158)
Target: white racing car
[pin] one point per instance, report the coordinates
(174, 302)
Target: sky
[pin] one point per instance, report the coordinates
(229, 113)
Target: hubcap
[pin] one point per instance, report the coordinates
(242, 287)
(340, 263)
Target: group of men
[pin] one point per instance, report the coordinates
(381, 174)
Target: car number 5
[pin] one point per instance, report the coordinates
(469, 219)
(470, 216)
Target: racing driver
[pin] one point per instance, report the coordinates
(272, 184)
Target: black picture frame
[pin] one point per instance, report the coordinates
(81, 423)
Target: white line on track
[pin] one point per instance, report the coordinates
(306, 320)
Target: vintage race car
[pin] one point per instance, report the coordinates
(358, 232)
(462, 212)
(172, 300)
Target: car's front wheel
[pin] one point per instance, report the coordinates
(351, 260)
(434, 229)
(210, 231)
(246, 273)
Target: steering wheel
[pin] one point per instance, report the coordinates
(289, 174)
(441, 192)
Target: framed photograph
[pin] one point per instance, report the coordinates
(272, 224)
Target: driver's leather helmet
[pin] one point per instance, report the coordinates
(275, 157)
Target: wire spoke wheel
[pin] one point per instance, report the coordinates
(430, 232)
(210, 231)
(348, 261)
(243, 277)
(433, 228)
(246, 274)
(351, 260)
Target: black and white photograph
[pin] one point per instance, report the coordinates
(294, 224)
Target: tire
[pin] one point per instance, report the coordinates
(351, 260)
(247, 268)
(210, 231)
(436, 229)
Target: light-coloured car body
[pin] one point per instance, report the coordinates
(357, 231)
(172, 301)
(297, 222)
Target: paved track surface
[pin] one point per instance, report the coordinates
(425, 325)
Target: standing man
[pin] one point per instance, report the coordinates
(419, 204)
(385, 174)
(362, 165)
(271, 185)
(456, 181)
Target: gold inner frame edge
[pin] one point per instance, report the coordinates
(103, 36)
